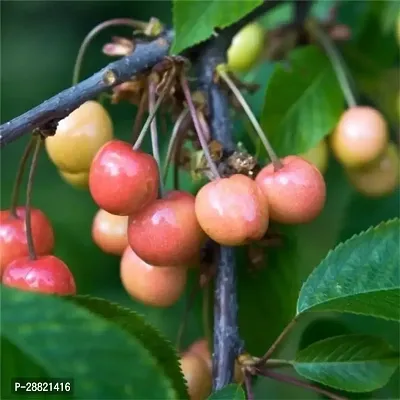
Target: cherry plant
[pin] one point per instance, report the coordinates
(251, 210)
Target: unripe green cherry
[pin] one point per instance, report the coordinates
(79, 136)
(246, 47)
(380, 178)
(318, 155)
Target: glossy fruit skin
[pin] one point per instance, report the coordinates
(167, 232)
(197, 376)
(318, 155)
(380, 178)
(79, 136)
(360, 137)
(200, 348)
(13, 242)
(77, 179)
(246, 47)
(154, 286)
(46, 274)
(296, 193)
(123, 180)
(232, 211)
(109, 232)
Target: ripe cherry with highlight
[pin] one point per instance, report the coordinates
(232, 211)
(296, 192)
(166, 232)
(154, 286)
(79, 136)
(360, 137)
(123, 180)
(109, 232)
(13, 241)
(46, 274)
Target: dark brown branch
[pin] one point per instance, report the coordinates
(145, 56)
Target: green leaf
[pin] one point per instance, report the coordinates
(355, 363)
(359, 276)
(303, 102)
(229, 392)
(160, 348)
(68, 340)
(194, 21)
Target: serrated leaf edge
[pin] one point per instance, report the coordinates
(339, 246)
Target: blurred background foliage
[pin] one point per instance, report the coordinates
(40, 40)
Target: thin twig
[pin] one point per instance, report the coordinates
(94, 32)
(139, 116)
(173, 141)
(248, 386)
(278, 340)
(336, 61)
(257, 127)
(28, 221)
(197, 125)
(153, 113)
(145, 56)
(297, 382)
(154, 133)
(18, 179)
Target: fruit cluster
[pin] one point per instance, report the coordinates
(361, 144)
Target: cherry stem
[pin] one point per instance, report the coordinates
(278, 340)
(297, 382)
(197, 125)
(28, 224)
(152, 115)
(188, 307)
(94, 32)
(257, 127)
(154, 133)
(247, 384)
(18, 178)
(139, 116)
(173, 141)
(336, 59)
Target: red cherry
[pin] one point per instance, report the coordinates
(13, 243)
(155, 286)
(166, 232)
(296, 193)
(109, 232)
(46, 274)
(232, 210)
(123, 180)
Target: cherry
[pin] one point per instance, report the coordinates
(360, 137)
(46, 274)
(123, 180)
(155, 286)
(109, 232)
(232, 211)
(76, 179)
(197, 375)
(379, 178)
(200, 347)
(13, 241)
(296, 192)
(246, 47)
(318, 156)
(166, 232)
(79, 136)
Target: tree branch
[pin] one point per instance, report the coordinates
(145, 56)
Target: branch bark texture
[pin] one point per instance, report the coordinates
(144, 57)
